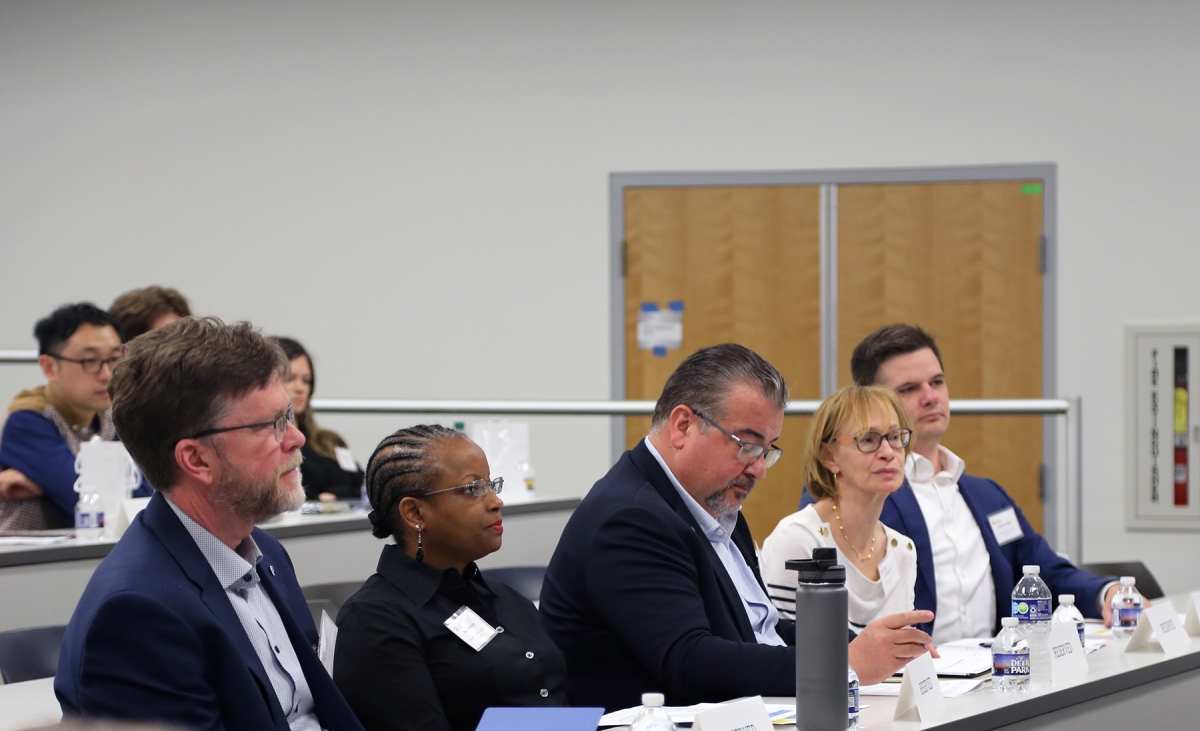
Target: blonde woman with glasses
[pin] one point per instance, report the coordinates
(854, 459)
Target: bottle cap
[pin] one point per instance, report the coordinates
(1066, 598)
(652, 700)
(1009, 621)
(822, 568)
(1035, 570)
(1128, 580)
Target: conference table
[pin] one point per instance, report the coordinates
(1140, 690)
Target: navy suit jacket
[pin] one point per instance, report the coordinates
(155, 638)
(984, 497)
(638, 601)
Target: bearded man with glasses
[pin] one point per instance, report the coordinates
(195, 619)
(40, 433)
(655, 583)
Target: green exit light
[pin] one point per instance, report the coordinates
(1032, 189)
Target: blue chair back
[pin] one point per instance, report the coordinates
(29, 654)
(527, 580)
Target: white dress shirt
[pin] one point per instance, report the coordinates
(799, 533)
(962, 570)
(237, 571)
(719, 531)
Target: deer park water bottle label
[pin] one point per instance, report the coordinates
(1031, 610)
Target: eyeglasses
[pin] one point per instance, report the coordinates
(872, 441)
(279, 424)
(478, 488)
(748, 451)
(91, 366)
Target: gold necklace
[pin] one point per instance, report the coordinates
(861, 557)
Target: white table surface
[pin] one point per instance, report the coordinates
(28, 705)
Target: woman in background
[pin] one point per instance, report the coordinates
(857, 445)
(397, 662)
(329, 471)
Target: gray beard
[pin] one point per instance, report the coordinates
(718, 505)
(255, 502)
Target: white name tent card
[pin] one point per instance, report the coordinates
(748, 714)
(327, 642)
(1067, 657)
(1192, 622)
(920, 692)
(1159, 621)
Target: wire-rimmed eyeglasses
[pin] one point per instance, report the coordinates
(872, 441)
(747, 451)
(279, 424)
(478, 488)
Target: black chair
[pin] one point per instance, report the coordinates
(1147, 585)
(329, 597)
(527, 580)
(29, 654)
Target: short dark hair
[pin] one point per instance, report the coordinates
(138, 308)
(403, 465)
(178, 380)
(57, 328)
(705, 378)
(888, 342)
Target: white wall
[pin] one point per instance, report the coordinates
(418, 191)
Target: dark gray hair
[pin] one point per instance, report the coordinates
(705, 378)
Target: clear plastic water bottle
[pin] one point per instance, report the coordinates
(1126, 607)
(1067, 612)
(1010, 657)
(1031, 605)
(89, 516)
(653, 716)
(853, 701)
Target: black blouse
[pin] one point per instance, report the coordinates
(323, 474)
(399, 667)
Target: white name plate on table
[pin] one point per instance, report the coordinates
(1192, 623)
(1162, 622)
(748, 714)
(1067, 657)
(920, 693)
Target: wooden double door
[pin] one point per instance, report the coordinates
(964, 260)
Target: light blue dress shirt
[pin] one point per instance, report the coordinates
(237, 571)
(719, 531)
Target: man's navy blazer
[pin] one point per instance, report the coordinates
(638, 601)
(984, 497)
(155, 638)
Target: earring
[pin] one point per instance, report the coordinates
(420, 548)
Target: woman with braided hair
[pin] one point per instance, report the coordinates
(427, 642)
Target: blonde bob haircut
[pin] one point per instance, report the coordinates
(851, 405)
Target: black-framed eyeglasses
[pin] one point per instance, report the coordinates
(279, 424)
(91, 366)
(478, 488)
(872, 441)
(747, 451)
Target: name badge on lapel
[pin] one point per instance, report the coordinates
(471, 628)
(1005, 526)
(889, 575)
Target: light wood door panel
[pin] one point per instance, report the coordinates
(962, 261)
(745, 260)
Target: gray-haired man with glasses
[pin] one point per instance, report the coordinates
(655, 583)
(40, 432)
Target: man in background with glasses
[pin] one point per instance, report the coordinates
(655, 585)
(40, 433)
(972, 539)
(195, 618)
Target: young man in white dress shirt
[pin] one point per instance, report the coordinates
(972, 539)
